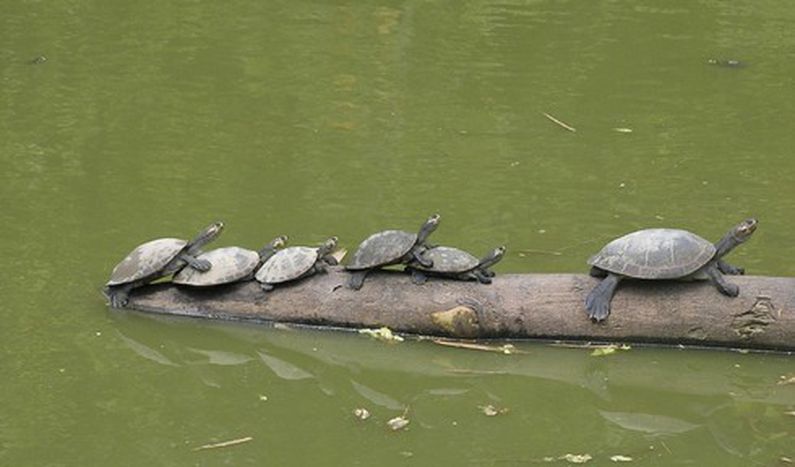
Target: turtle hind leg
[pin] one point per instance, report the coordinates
(598, 301)
(730, 269)
(418, 277)
(357, 279)
(725, 287)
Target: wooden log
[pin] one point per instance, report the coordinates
(537, 306)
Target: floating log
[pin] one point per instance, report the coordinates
(514, 306)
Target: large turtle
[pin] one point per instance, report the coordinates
(456, 264)
(230, 264)
(155, 259)
(390, 247)
(664, 254)
(295, 262)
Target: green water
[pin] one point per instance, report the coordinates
(321, 118)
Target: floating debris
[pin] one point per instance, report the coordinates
(491, 411)
(623, 130)
(726, 62)
(224, 444)
(39, 60)
(620, 458)
(382, 334)
(398, 423)
(608, 350)
(783, 379)
(559, 122)
(507, 349)
(361, 413)
(570, 458)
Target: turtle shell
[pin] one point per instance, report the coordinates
(146, 260)
(230, 264)
(382, 249)
(287, 264)
(449, 260)
(655, 254)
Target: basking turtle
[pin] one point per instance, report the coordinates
(155, 259)
(390, 247)
(295, 262)
(230, 264)
(456, 264)
(664, 254)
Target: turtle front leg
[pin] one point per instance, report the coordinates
(357, 279)
(481, 276)
(266, 287)
(118, 295)
(598, 301)
(416, 255)
(725, 287)
(198, 264)
(330, 260)
(730, 269)
(488, 272)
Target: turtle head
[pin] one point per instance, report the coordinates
(328, 246)
(493, 257)
(207, 235)
(270, 249)
(736, 236)
(428, 227)
(278, 242)
(745, 229)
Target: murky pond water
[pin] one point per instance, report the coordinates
(313, 119)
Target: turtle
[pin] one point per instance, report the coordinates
(230, 264)
(156, 259)
(664, 254)
(295, 262)
(390, 247)
(456, 264)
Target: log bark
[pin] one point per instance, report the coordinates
(535, 306)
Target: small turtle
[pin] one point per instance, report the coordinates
(456, 264)
(664, 254)
(155, 259)
(230, 264)
(295, 262)
(390, 247)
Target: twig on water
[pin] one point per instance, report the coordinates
(562, 124)
(224, 444)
